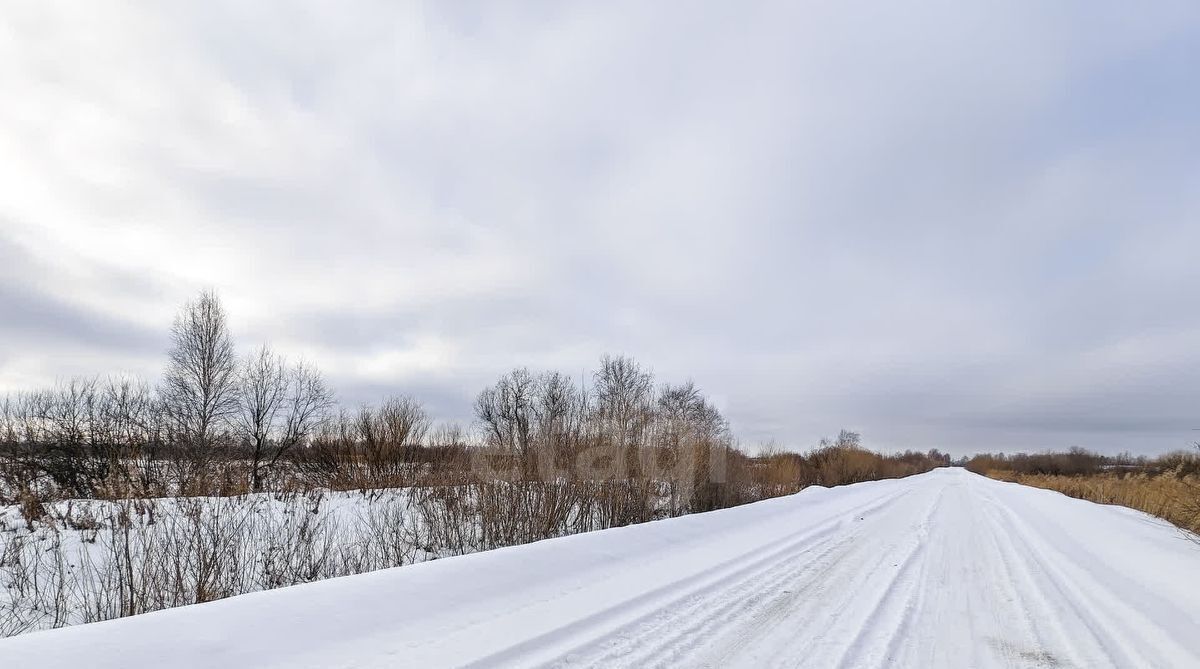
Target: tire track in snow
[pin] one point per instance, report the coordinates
(829, 608)
(892, 605)
(773, 606)
(707, 617)
(1008, 602)
(896, 594)
(600, 628)
(1033, 606)
(776, 612)
(1106, 618)
(835, 595)
(729, 630)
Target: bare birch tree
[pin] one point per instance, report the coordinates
(200, 385)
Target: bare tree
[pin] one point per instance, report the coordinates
(200, 385)
(623, 402)
(505, 411)
(848, 439)
(693, 437)
(133, 421)
(558, 413)
(262, 386)
(280, 407)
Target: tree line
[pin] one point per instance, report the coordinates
(219, 423)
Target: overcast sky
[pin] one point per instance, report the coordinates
(969, 225)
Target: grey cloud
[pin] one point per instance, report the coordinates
(38, 319)
(954, 225)
(34, 320)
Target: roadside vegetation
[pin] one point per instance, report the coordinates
(1167, 486)
(238, 472)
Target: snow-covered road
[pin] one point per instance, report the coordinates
(946, 569)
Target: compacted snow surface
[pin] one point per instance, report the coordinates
(946, 569)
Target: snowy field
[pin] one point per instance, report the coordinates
(90, 560)
(946, 569)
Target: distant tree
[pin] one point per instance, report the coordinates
(691, 437)
(557, 417)
(624, 396)
(134, 420)
(280, 407)
(848, 439)
(200, 385)
(506, 412)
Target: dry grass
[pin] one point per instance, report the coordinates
(1170, 496)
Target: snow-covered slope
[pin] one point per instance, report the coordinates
(946, 569)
